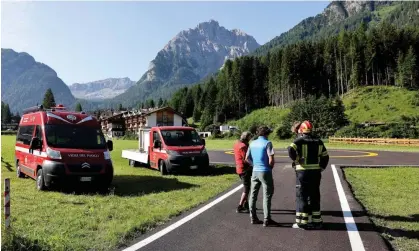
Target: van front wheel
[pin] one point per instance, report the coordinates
(40, 182)
(162, 167)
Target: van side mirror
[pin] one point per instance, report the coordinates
(203, 141)
(109, 144)
(35, 144)
(156, 144)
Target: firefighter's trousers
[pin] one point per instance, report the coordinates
(308, 189)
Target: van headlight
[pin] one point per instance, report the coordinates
(174, 153)
(53, 154)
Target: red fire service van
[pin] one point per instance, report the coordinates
(169, 149)
(58, 146)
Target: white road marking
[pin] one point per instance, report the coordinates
(180, 222)
(354, 237)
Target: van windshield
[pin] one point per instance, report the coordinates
(181, 138)
(71, 136)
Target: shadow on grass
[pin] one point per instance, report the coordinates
(141, 185)
(131, 185)
(7, 164)
(13, 241)
(212, 171)
(411, 218)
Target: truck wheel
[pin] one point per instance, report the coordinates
(19, 174)
(103, 187)
(162, 167)
(133, 163)
(40, 183)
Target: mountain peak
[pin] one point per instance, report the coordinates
(211, 22)
(190, 56)
(338, 11)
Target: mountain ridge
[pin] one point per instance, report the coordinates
(337, 16)
(24, 81)
(101, 89)
(188, 57)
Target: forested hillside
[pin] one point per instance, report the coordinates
(346, 16)
(331, 67)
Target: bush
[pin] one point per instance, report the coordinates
(283, 132)
(326, 115)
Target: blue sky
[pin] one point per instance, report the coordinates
(88, 41)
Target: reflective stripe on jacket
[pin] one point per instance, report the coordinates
(308, 153)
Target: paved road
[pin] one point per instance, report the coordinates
(221, 228)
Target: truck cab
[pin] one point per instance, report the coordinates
(57, 146)
(170, 149)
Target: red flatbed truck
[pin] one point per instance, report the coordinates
(169, 149)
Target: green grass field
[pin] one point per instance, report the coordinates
(380, 104)
(227, 144)
(140, 200)
(391, 199)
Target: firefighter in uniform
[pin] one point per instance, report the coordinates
(310, 158)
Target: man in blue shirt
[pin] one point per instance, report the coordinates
(261, 155)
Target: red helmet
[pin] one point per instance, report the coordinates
(305, 127)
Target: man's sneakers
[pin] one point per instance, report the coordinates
(300, 226)
(242, 209)
(269, 223)
(255, 220)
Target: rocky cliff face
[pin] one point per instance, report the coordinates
(101, 89)
(25, 81)
(189, 57)
(199, 51)
(338, 11)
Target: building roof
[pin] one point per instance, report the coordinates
(165, 108)
(142, 112)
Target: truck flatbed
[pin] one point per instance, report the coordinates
(136, 155)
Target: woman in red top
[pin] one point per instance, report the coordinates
(243, 169)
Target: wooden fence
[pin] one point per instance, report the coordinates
(376, 141)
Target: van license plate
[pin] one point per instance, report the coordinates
(86, 179)
(194, 167)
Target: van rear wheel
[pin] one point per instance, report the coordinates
(40, 182)
(162, 167)
(19, 174)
